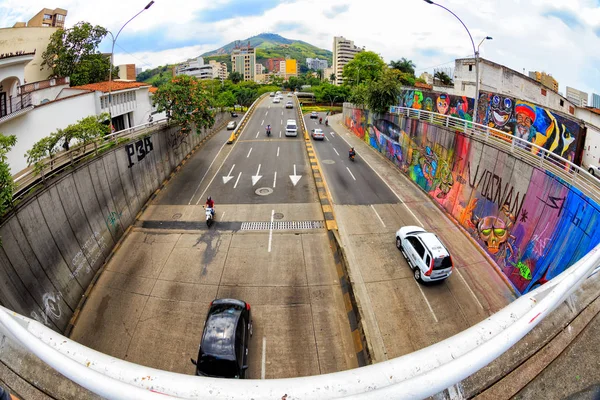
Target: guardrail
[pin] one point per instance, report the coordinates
(29, 177)
(413, 376)
(236, 132)
(520, 148)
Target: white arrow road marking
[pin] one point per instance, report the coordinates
(249, 152)
(262, 123)
(336, 151)
(229, 176)
(351, 173)
(332, 133)
(271, 230)
(295, 178)
(256, 178)
(277, 151)
(275, 180)
(237, 180)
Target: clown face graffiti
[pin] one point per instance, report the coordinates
(443, 104)
(501, 109)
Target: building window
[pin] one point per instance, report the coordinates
(571, 110)
(47, 16)
(60, 17)
(470, 68)
(562, 102)
(544, 92)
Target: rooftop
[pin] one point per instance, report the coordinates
(111, 86)
(153, 89)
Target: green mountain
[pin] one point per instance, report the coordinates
(271, 45)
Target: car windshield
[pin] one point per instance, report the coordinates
(215, 366)
(291, 126)
(442, 263)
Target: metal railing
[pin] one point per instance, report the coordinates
(14, 104)
(412, 376)
(52, 166)
(519, 148)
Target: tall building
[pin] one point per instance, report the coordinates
(273, 64)
(595, 100)
(199, 69)
(577, 97)
(259, 68)
(291, 68)
(220, 68)
(343, 52)
(243, 60)
(316, 64)
(48, 17)
(545, 79)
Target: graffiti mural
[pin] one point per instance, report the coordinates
(443, 103)
(530, 222)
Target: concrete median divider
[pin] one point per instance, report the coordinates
(240, 128)
(325, 199)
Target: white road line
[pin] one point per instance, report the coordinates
(376, 213)
(326, 138)
(279, 133)
(257, 133)
(282, 113)
(249, 153)
(387, 184)
(267, 113)
(262, 123)
(275, 180)
(336, 151)
(271, 230)
(426, 301)
(277, 151)
(237, 180)
(208, 169)
(281, 122)
(263, 366)
(222, 215)
(350, 173)
(468, 287)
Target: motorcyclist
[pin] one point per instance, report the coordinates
(210, 203)
(351, 152)
(326, 122)
(320, 120)
(268, 129)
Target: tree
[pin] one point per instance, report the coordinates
(90, 128)
(383, 93)
(365, 66)
(443, 78)
(74, 53)
(226, 99)
(185, 102)
(236, 77)
(404, 65)
(245, 96)
(332, 78)
(359, 94)
(7, 185)
(43, 148)
(331, 93)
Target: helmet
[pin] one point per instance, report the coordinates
(209, 198)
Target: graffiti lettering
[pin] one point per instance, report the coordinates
(492, 190)
(92, 250)
(460, 179)
(141, 147)
(553, 202)
(112, 218)
(51, 308)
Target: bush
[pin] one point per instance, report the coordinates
(7, 185)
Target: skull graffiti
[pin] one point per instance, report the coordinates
(495, 231)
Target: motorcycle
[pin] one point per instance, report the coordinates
(326, 123)
(210, 216)
(351, 156)
(268, 132)
(320, 121)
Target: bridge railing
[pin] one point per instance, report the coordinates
(412, 376)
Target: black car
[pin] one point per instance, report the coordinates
(314, 114)
(234, 114)
(223, 351)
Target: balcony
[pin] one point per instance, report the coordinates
(32, 87)
(13, 105)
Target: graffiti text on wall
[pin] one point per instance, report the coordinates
(140, 148)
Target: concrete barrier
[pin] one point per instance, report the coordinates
(56, 240)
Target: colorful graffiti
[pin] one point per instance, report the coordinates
(443, 103)
(529, 221)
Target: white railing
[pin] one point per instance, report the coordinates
(519, 148)
(413, 376)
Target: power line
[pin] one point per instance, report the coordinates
(143, 62)
(439, 65)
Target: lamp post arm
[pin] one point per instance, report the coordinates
(463, 24)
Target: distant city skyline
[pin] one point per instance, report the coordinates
(172, 32)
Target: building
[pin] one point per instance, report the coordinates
(47, 17)
(577, 97)
(197, 68)
(427, 77)
(220, 68)
(32, 40)
(327, 72)
(595, 100)
(127, 72)
(291, 68)
(273, 64)
(343, 52)
(545, 79)
(259, 68)
(316, 64)
(496, 78)
(243, 61)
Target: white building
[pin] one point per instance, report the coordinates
(343, 52)
(198, 69)
(427, 77)
(497, 78)
(316, 64)
(577, 97)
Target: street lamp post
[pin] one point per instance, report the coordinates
(475, 54)
(112, 51)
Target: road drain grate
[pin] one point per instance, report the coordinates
(282, 225)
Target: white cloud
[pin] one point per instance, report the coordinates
(523, 36)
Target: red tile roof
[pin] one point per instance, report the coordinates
(153, 89)
(594, 110)
(113, 86)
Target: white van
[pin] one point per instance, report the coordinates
(291, 129)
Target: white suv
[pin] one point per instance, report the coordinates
(426, 255)
(291, 128)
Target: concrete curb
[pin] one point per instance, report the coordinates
(238, 131)
(90, 288)
(358, 336)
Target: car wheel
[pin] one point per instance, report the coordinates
(399, 243)
(417, 274)
(591, 171)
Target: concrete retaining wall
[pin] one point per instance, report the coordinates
(54, 243)
(530, 222)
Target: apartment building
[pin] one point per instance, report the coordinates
(243, 60)
(344, 51)
(273, 64)
(316, 63)
(577, 97)
(127, 72)
(197, 68)
(48, 17)
(545, 79)
(595, 100)
(220, 68)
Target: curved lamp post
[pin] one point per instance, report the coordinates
(475, 54)
(112, 51)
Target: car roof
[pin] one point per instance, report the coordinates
(291, 120)
(318, 130)
(433, 243)
(219, 333)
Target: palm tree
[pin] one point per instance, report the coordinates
(332, 78)
(443, 78)
(403, 65)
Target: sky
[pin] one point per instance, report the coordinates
(556, 36)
